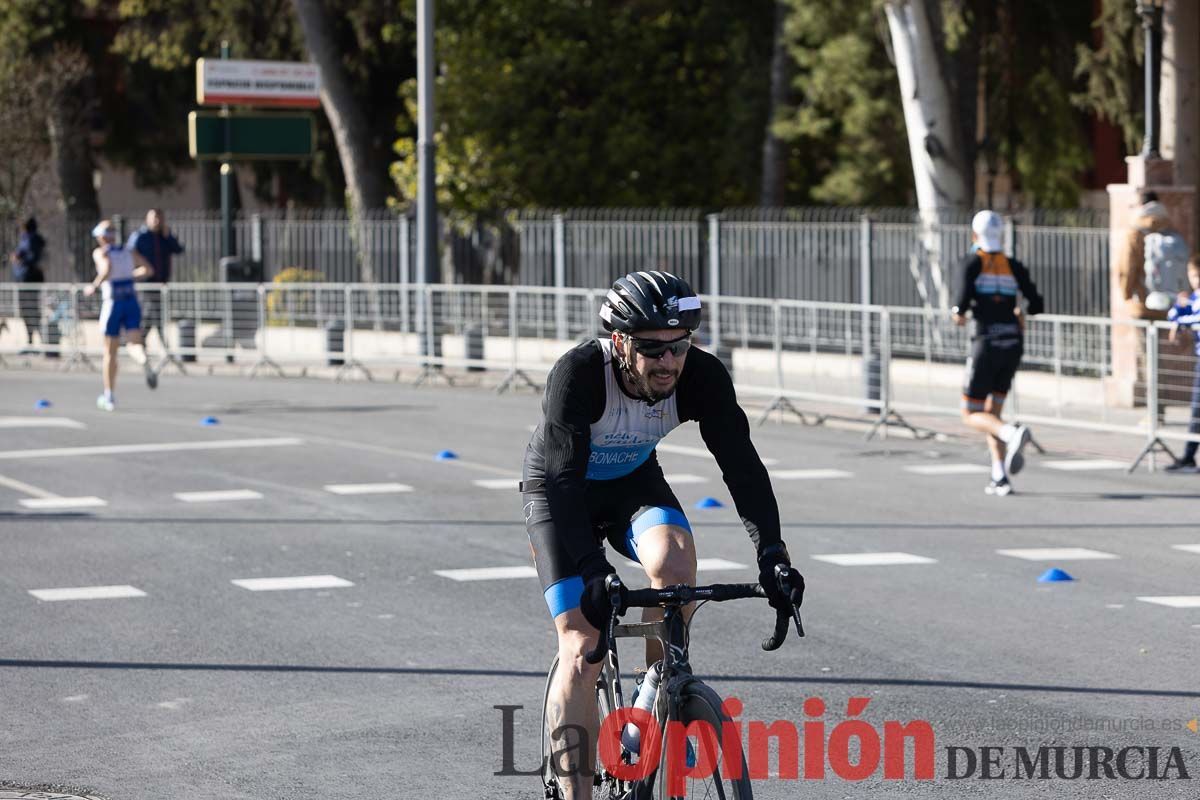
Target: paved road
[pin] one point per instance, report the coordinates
(377, 676)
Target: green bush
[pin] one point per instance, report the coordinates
(285, 306)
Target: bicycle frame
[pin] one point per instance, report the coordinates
(671, 634)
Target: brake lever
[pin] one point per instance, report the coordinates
(783, 574)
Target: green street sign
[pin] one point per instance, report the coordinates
(251, 136)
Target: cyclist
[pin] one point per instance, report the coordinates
(116, 270)
(591, 474)
(988, 289)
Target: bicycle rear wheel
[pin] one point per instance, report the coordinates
(699, 703)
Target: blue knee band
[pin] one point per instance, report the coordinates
(564, 595)
(651, 518)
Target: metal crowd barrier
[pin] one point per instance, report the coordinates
(807, 358)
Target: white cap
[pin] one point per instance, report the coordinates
(105, 229)
(989, 227)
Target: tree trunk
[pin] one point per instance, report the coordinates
(70, 142)
(366, 184)
(774, 164)
(940, 163)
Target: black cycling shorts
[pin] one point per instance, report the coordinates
(620, 510)
(990, 371)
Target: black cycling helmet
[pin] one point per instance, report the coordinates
(649, 301)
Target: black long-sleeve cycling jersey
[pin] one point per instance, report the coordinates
(988, 285)
(593, 429)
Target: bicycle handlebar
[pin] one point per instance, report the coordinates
(683, 594)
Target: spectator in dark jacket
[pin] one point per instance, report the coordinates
(156, 244)
(27, 268)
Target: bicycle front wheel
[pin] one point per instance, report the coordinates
(605, 786)
(699, 703)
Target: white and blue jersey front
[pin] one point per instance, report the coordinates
(628, 430)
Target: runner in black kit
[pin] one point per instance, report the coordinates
(988, 289)
(591, 474)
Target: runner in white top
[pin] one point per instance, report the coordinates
(116, 270)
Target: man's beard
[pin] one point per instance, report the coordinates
(641, 381)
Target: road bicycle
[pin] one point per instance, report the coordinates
(682, 698)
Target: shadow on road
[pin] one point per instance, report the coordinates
(972, 525)
(11, 663)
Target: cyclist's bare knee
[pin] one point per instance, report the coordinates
(668, 554)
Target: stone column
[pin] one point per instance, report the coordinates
(1174, 179)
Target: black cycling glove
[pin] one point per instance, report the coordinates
(791, 595)
(594, 602)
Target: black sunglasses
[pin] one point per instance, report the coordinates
(652, 348)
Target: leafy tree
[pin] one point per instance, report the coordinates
(1022, 54)
(28, 92)
(578, 103)
(43, 42)
(1114, 84)
(846, 134)
(372, 37)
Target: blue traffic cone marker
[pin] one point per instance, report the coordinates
(42, 404)
(710, 502)
(208, 421)
(446, 455)
(1054, 575)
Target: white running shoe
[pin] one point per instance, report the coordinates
(1000, 488)
(151, 376)
(1014, 462)
(105, 404)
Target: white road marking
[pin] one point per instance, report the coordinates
(87, 593)
(1057, 554)
(873, 559)
(368, 488)
(40, 422)
(509, 573)
(1187, 548)
(946, 469)
(218, 496)
(678, 478)
(25, 488)
(683, 477)
(1082, 465)
(174, 705)
(299, 582)
(161, 447)
(809, 474)
(1175, 601)
(703, 564)
(47, 503)
(487, 573)
(497, 483)
(698, 452)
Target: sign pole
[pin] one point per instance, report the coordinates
(427, 215)
(226, 177)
